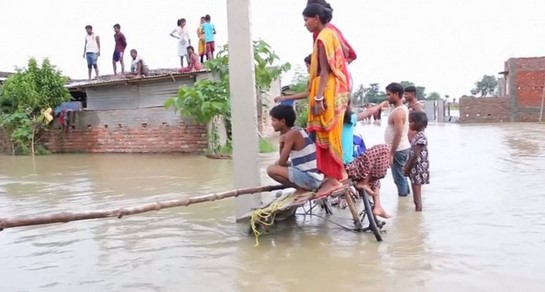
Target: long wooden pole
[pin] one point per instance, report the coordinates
(64, 217)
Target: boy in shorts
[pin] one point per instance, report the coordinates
(300, 172)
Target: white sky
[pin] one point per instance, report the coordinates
(444, 45)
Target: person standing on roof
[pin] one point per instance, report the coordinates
(91, 50)
(209, 31)
(182, 34)
(119, 50)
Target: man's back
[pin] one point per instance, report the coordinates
(208, 30)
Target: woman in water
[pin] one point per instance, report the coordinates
(328, 97)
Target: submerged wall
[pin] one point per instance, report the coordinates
(485, 109)
(151, 130)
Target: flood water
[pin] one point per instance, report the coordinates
(482, 229)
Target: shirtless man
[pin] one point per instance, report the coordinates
(412, 100)
(301, 171)
(396, 136)
(413, 105)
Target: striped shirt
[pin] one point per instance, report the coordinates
(305, 159)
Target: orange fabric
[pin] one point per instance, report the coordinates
(201, 48)
(328, 125)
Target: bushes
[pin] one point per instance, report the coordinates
(26, 102)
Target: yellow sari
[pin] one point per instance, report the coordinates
(201, 48)
(329, 124)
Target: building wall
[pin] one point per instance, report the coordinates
(525, 83)
(484, 109)
(523, 87)
(151, 130)
(153, 93)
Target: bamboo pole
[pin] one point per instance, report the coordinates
(64, 217)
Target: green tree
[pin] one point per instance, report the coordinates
(421, 93)
(299, 83)
(23, 99)
(406, 84)
(358, 96)
(486, 86)
(434, 96)
(207, 99)
(373, 94)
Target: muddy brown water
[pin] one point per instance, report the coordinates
(482, 229)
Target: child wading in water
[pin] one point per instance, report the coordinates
(418, 165)
(367, 170)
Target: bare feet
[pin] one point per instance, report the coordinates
(381, 213)
(327, 188)
(299, 194)
(361, 185)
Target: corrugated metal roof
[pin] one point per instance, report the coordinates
(111, 80)
(4, 74)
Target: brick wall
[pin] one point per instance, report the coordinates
(484, 109)
(526, 80)
(152, 130)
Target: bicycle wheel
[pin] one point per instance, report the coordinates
(370, 216)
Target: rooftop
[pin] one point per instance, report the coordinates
(107, 80)
(4, 75)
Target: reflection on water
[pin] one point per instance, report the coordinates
(483, 226)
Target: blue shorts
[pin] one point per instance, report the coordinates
(303, 179)
(117, 56)
(91, 59)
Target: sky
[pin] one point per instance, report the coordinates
(444, 45)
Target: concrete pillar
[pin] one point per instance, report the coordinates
(243, 103)
(440, 111)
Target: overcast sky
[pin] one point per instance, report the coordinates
(444, 45)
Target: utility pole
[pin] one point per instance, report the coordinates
(243, 104)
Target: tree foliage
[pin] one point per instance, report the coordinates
(207, 99)
(434, 96)
(24, 97)
(373, 94)
(486, 86)
(299, 83)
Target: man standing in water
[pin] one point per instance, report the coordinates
(119, 50)
(413, 104)
(396, 136)
(91, 50)
(412, 100)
